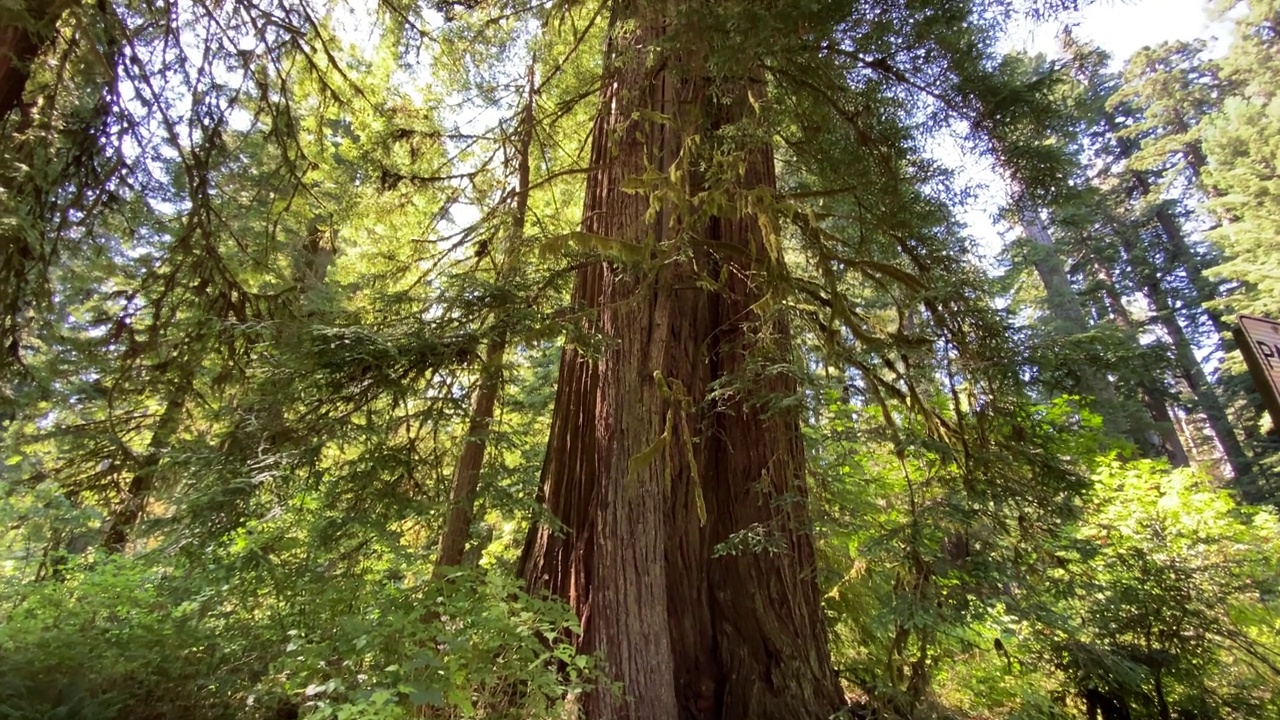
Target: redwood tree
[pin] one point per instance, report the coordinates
(25, 30)
(675, 468)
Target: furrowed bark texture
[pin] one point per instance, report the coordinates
(666, 447)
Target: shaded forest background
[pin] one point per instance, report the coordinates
(303, 320)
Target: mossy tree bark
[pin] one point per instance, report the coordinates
(675, 479)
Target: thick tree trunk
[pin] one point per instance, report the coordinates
(683, 536)
(20, 44)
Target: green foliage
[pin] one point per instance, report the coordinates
(1243, 156)
(939, 540)
(1162, 593)
(254, 635)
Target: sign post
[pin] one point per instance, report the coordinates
(1259, 341)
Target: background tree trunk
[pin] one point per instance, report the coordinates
(466, 475)
(1189, 368)
(128, 512)
(1153, 398)
(1065, 311)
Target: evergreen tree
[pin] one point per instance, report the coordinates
(1242, 162)
(1150, 233)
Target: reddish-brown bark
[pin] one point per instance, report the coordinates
(648, 471)
(20, 43)
(466, 474)
(31, 28)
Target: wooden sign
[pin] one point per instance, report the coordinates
(1259, 340)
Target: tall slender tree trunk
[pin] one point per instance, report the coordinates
(1153, 396)
(1193, 374)
(1189, 368)
(1167, 432)
(466, 475)
(1194, 439)
(1206, 291)
(125, 516)
(678, 485)
(1067, 313)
